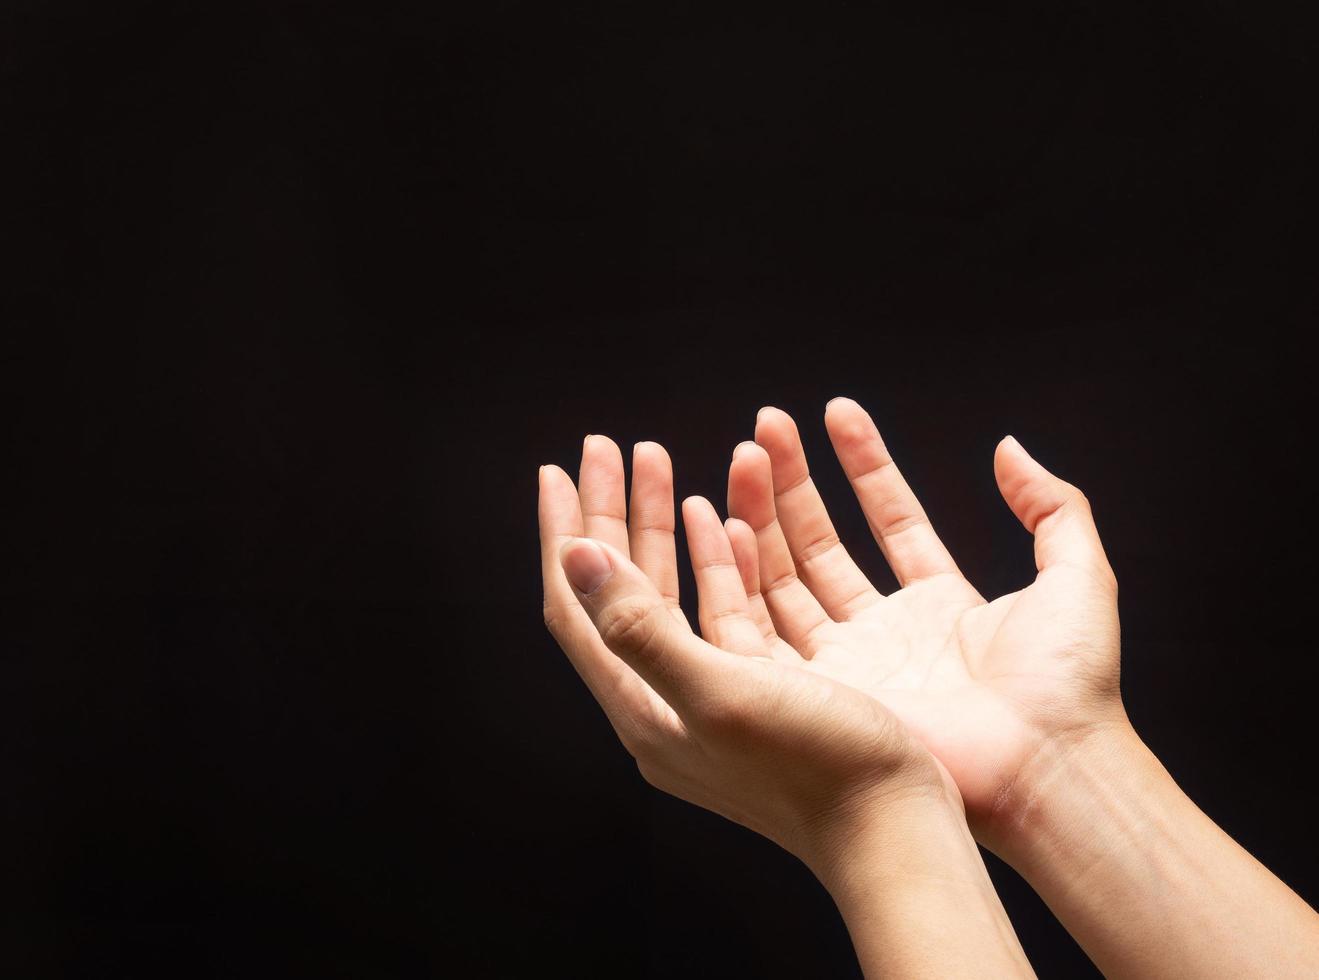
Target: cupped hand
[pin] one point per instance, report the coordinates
(987, 686)
(736, 721)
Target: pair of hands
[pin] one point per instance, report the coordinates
(811, 701)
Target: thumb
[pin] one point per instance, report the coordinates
(1051, 509)
(636, 623)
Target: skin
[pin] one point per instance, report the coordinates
(984, 684)
(1019, 699)
(1015, 703)
(744, 726)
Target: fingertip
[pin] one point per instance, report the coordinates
(550, 473)
(773, 418)
(750, 483)
(586, 564)
(1009, 450)
(775, 431)
(740, 533)
(696, 505)
(1012, 442)
(576, 543)
(749, 451)
(1007, 461)
(652, 456)
(849, 425)
(595, 442)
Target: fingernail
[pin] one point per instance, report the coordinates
(586, 565)
(835, 398)
(742, 447)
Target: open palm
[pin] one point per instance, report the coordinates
(986, 685)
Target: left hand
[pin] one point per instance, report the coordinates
(734, 722)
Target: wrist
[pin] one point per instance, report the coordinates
(912, 887)
(877, 817)
(1144, 881)
(874, 835)
(1073, 795)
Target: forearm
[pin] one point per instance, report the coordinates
(913, 890)
(1141, 878)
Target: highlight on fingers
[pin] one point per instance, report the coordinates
(817, 551)
(897, 520)
(601, 487)
(742, 538)
(795, 613)
(776, 433)
(724, 613)
(650, 524)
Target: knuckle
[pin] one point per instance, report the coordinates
(632, 628)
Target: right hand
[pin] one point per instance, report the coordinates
(998, 691)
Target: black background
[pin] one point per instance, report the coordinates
(303, 293)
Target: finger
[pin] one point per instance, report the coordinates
(895, 516)
(743, 541)
(725, 614)
(634, 622)
(604, 511)
(650, 520)
(625, 698)
(795, 611)
(822, 561)
(1054, 511)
